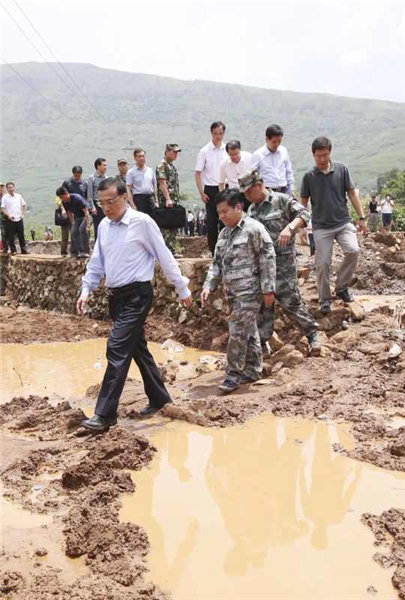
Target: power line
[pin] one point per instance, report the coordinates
(55, 57)
(36, 48)
(54, 106)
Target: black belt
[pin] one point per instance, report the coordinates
(149, 195)
(126, 289)
(282, 190)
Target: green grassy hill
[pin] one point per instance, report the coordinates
(40, 145)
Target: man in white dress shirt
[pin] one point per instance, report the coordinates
(13, 208)
(236, 165)
(141, 184)
(128, 243)
(273, 162)
(207, 168)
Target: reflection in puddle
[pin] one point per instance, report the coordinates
(65, 368)
(263, 512)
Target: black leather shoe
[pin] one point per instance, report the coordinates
(345, 295)
(98, 423)
(149, 410)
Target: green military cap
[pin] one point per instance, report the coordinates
(249, 179)
(175, 147)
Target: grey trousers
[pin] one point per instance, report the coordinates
(347, 239)
(79, 238)
(373, 221)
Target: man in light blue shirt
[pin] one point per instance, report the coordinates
(128, 243)
(273, 162)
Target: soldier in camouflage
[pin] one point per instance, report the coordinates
(282, 215)
(245, 261)
(168, 189)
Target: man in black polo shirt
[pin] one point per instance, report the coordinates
(326, 185)
(78, 213)
(76, 185)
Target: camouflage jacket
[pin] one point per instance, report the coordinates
(275, 213)
(166, 170)
(244, 259)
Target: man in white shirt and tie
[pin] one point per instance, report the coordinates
(141, 184)
(273, 162)
(127, 245)
(207, 168)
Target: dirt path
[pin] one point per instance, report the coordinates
(51, 468)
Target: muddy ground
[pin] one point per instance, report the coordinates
(52, 468)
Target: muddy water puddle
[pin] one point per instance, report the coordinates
(22, 533)
(266, 511)
(66, 368)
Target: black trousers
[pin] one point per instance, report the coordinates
(129, 308)
(15, 228)
(214, 225)
(97, 219)
(144, 203)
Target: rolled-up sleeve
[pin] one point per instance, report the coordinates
(155, 245)
(289, 173)
(295, 209)
(95, 269)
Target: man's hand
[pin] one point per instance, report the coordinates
(81, 305)
(204, 296)
(169, 203)
(268, 299)
(187, 302)
(361, 226)
(93, 211)
(284, 237)
(204, 197)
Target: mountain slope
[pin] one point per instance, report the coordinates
(40, 145)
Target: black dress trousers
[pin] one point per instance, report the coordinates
(129, 307)
(144, 203)
(213, 223)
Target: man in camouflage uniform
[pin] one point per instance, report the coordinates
(282, 215)
(245, 261)
(168, 189)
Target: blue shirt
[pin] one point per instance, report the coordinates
(76, 205)
(125, 252)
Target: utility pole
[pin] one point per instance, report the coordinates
(130, 147)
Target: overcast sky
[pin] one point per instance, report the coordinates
(345, 48)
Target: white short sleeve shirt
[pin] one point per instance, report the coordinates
(13, 205)
(209, 162)
(230, 172)
(274, 167)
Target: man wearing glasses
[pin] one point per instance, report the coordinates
(128, 243)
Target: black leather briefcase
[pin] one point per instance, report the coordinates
(170, 218)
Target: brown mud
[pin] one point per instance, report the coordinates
(51, 468)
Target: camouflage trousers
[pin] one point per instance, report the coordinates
(169, 236)
(289, 297)
(244, 352)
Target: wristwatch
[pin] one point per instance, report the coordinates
(362, 218)
(291, 227)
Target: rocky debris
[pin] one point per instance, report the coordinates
(41, 552)
(389, 531)
(288, 356)
(394, 351)
(172, 346)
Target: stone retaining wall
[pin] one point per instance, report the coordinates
(53, 283)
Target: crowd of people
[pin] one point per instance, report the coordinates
(251, 219)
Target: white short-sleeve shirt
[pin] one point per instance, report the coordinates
(209, 162)
(13, 205)
(230, 172)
